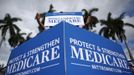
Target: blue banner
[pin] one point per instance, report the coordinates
(68, 50)
(40, 55)
(88, 53)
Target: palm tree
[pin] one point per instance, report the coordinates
(114, 29)
(42, 15)
(8, 24)
(16, 39)
(89, 20)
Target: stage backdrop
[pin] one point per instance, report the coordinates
(68, 50)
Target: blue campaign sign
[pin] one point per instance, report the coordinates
(74, 18)
(88, 53)
(68, 50)
(40, 55)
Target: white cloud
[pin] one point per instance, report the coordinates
(129, 30)
(4, 53)
(26, 9)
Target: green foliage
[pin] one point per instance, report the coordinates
(15, 37)
(114, 28)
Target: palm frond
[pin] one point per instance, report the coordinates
(4, 30)
(28, 36)
(15, 19)
(93, 10)
(121, 15)
(51, 9)
(130, 25)
(16, 28)
(11, 31)
(22, 34)
(102, 30)
(109, 16)
(7, 17)
(103, 22)
(2, 26)
(85, 12)
(2, 21)
(106, 33)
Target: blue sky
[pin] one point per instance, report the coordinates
(27, 9)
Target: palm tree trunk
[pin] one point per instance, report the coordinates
(2, 39)
(129, 51)
(1, 42)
